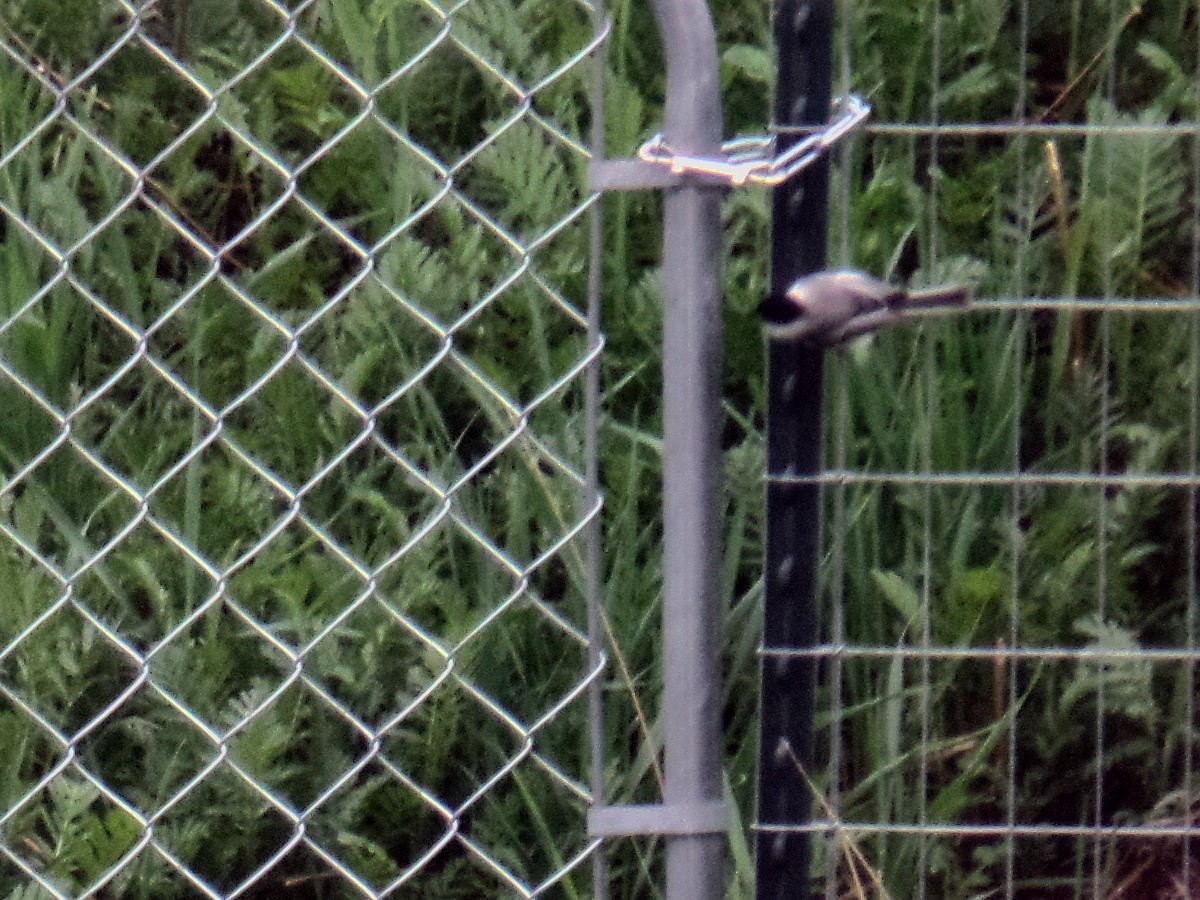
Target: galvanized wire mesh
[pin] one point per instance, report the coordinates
(293, 450)
(1010, 547)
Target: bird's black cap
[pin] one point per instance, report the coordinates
(777, 309)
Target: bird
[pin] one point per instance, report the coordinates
(827, 308)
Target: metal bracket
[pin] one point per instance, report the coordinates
(658, 819)
(744, 160)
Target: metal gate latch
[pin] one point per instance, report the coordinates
(744, 160)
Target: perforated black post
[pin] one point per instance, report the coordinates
(803, 38)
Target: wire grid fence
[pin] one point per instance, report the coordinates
(293, 448)
(1009, 678)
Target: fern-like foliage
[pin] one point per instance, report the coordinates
(1133, 188)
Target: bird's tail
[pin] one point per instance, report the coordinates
(952, 295)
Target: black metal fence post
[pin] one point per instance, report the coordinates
(803, 40)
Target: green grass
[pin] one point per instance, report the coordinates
(259, 535)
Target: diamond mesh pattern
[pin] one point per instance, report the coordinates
(291, 453)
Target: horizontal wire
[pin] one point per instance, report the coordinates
(1184, 303)
(935, 829)
(850, 652)
(976, 129)
(994, 479)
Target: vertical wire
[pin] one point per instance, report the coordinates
(1102, 450)
(591, 490)
(1191, 496)
(935, 112)
(841, 426)
(1020, 324)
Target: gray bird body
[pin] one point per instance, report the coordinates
(827, 308)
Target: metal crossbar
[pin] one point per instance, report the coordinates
(293, 589)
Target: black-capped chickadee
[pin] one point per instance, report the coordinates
(827, 308)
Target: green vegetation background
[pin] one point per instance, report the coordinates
(344, 561)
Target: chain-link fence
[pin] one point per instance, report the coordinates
(294, 448)
(1007, 700)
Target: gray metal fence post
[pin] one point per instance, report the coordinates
(691, 483)
(692, 817)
